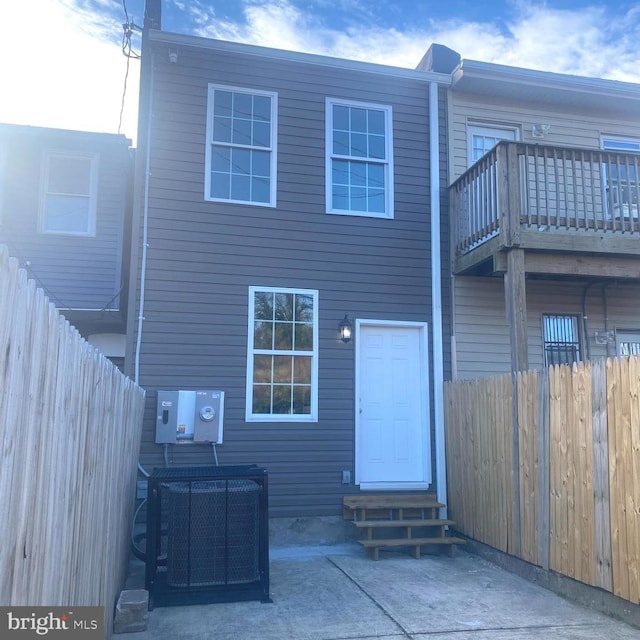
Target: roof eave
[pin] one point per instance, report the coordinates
(176, 39)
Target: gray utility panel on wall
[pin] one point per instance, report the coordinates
(189, 416)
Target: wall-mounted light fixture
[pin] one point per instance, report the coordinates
(346, 329)
(173, 56)
(540, 130)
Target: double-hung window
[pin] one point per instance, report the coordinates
(69, 193)
(241, 146)
(282, 367)
(359, 159)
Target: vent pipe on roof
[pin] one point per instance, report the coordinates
(153, 14)
(439, 59)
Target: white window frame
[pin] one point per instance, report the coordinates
(273, 149)
(4, 154)
(622, 145)
(497, 131)
(387, 163)
(625, 337)
(92, 195)
(251, 351)
(608, 143)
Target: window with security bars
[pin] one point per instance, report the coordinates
(282, 355)
(561, 339)
(628, 343)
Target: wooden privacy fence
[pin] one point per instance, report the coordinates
(545, 466)
(70, 426)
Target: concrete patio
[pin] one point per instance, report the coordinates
(337, 593)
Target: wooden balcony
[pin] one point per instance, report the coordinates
(573, 211)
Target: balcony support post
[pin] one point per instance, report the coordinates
(509, 197)
(515, 292)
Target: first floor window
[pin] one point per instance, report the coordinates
(241, 146)
(628, 343)
(561, 339)
(282, 355)
(69, 193)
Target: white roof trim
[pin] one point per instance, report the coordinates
(294, 56)
(566, 82)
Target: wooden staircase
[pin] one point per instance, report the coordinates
(400, 520)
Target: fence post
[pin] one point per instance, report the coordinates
(543, 468)
(602, 523)
(517, 528)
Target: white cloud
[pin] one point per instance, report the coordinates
(589, 41)
(62, 67)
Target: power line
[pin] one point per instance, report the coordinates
(128, 29)
(124, 94)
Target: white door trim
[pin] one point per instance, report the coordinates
(424, 409)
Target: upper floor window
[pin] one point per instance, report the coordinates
(621, 176)
(69, 193)
(3, 159)
(561, 339)
(483, 138)
(359, 162)
(282, 368)
(241, 146)
(625, 145)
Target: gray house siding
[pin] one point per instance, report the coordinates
(76, 272)
(203, 257)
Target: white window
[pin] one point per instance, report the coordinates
(628, 343)
(621, 177)
(69, 193)
(3, 164)
(561, 339)
(626, 145)
(359, 159)
(483, 138)
(282, 367)
(241, 146)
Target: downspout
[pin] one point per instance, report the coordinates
(436, 298)
(585, 324)
(605, 310)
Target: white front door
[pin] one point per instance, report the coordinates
(392, 405)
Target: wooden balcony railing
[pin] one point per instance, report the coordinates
(518, 187)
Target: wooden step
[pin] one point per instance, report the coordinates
(379, 507)
(417, 501)
(431, 522)
(416, 543)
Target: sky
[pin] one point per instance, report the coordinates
(61, 61)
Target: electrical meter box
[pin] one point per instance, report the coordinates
(189, 416)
